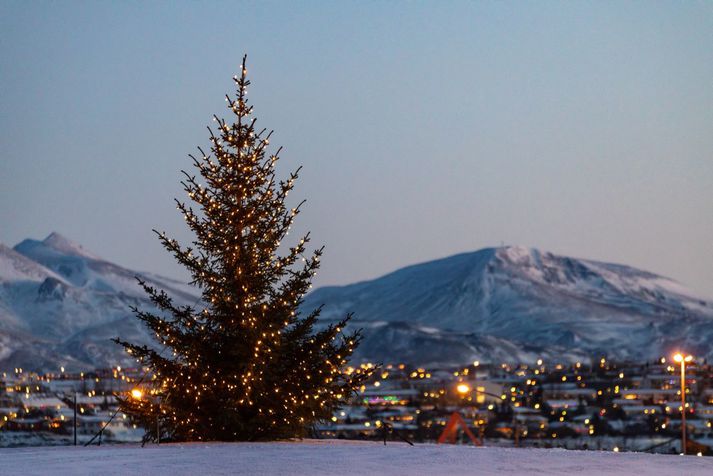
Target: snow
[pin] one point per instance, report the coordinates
(518, 304)
(329, 457)
(61, 305)
(66, 246)
(16, 267)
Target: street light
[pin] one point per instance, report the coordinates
(137, 394)
(680, 358)
(463, 388)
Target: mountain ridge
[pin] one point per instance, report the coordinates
(60, 304)
(526, 297)
(65, 311)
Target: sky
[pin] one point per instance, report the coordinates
(424, 129)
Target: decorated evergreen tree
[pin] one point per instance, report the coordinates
(244, 364)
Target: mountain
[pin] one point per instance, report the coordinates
(516, 304)
(60, 305)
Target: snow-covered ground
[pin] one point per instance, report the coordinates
(343, 458)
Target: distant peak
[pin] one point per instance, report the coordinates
(517, 252)
(60, 243)
(517, 248)
(56, 237)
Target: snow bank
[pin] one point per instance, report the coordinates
(332, 457)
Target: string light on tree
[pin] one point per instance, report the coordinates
(245, 364)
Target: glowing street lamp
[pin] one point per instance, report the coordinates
(137, 394)
(463, 388)
(680, 358)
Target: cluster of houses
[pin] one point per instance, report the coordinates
(595, 405)
(50, 409)
(598, 405)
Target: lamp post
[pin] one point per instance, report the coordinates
(680, 358)
(138, 394)
(75, 419)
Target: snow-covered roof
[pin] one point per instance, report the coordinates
(32, 401)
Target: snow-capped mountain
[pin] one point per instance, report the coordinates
(60, 305)
(514, 304)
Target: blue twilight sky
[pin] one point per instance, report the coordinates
(424, 128)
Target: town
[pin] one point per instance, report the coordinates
(596, 405)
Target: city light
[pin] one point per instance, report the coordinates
(405, 405)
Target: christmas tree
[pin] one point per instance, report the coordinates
(244, 364)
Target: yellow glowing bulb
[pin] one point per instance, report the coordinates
(463, 388)
(137, 393)
(678, 357)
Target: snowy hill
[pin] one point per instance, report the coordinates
(329, 457)
(61, 305)
(513, 304)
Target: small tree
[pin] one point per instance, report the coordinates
(245, 364)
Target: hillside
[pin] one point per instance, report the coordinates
(517, 304)
(61, 304)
